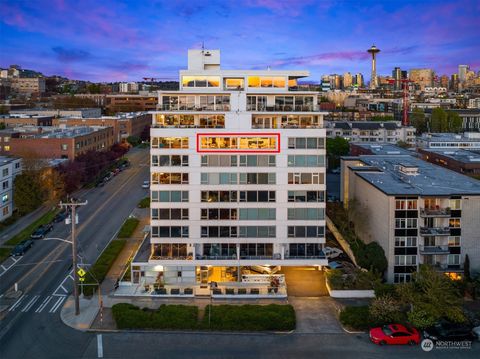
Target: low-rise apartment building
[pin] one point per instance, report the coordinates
(15, 120)
(27, 85)
(371, 131)
(9, 168)
(459, 160)
(363, 148)
(418, 212)
(55, 143)
(466, 141)
(79, 112)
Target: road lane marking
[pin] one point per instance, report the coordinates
(17, 303)
(57, 304)
(99, 346)
(30, 304)
(4, 267)
(44, 304)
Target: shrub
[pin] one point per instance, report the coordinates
(96, 274)
(421, 318)
(386, 309)
(251, 317)
(144, 203)
(382, 289)
(356, 280)
(357, 318)
(128, 316)
(128, 228)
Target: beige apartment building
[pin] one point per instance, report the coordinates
(422, 77)
(28, 85)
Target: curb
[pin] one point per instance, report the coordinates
(199, 332)
(68, 324)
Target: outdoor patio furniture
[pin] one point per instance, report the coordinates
(188, 291)
(175, 291)
(230, 291)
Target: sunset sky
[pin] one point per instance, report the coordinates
(111, 40)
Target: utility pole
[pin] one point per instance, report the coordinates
(73, 204)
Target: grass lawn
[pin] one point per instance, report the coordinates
(144, 203)
(96, 274)
(128, 228)
(4, 253)
(25, 234)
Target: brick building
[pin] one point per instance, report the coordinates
(25, 120)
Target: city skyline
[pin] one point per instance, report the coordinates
(127, 41)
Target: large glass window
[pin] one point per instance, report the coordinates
(306, 178)
(169, 142)
(306, 196)
(257, 213)
(169, 178)
(257, 178)
(248, 250)
(238, 143)
(169, 160)
(201, 81)
(306, 214)
(306, 231)
(233, 83)
(218, 178)
(306, 161)
(304, 250)
(169, 213)
(169, 231)
(169, 196)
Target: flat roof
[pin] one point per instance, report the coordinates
(382, 148)
(6, 159)
(450, 137)
(425, 179)
(459, 154)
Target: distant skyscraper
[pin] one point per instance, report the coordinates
(422, 77)
(373, 80)
(347, 80)
(444, 81)
(462, 72)
(397, 76)
(454, 82)
(359, 80)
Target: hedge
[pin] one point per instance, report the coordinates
(144, 203)
(128, 316)
(128, 227)
(250, 317)
(357, 318)
(96, 274)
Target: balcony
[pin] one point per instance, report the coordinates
(435, 231)
(285, 108)
(434, 250)
(257, 257)
(173, 258)
(444, 267)
(219, 258)
(320, 256)
(216, 108)
(435, 212)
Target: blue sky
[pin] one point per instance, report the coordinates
(111, 40)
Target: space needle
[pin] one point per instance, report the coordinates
(374, 51)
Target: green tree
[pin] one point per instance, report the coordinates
(417, 120)
(134, 140)
(27, 192)
(455, 122)
(336, 147)
(403, 144)
(439, 120)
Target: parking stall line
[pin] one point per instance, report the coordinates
(17, 303)
(44, 304)
(30, 304)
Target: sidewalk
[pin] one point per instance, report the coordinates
(22, 223)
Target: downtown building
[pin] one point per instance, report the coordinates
(237, 175)
(418, 212)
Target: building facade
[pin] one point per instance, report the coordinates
(28, 85)
(466, 141)
(422, 77)
(418, 212)
(237, 173)
(9, 168)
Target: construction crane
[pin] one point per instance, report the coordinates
(151, 79)
(406, 92)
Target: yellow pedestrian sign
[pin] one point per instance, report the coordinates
(81, 272)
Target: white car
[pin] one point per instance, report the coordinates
(146, 184)
(332, 252)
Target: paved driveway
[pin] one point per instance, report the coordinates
(304, 282)
(316, 315)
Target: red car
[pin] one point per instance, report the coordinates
(395, 334)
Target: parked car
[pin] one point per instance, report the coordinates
(146, 184)
(332, 252)
(334, 265)
(60, 217)
(449, 331)
(41, 231)
(22, 247)
(265, 269)
(395, 334)
(476, 332)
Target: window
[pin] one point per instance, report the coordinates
(169, 178)
(306, 196)
(453, 259)
(454, 222)
(173, 160)
(256, 103)
(406, 223)
(169, 232)
(5, 211)
(306, 231)
(306, 161)
(170, 213)
(64, 146)
(257, 178)
(256, 250)
(5, 185)
(169, 250)
(218, 232)
(219, 161)
(6, 148)
(218, 178)
(257, 161)
(257, 231)
(169, 196)
(408, 260)
(402, 277)
(455, 204)
(257, 213)
(257, 196)
(299, 121)
(304, 250)
(405, 241)
(402, 204)
(454, 241)
(219, 213)
(305, 178)
(266, 81)
(218, 196)
(200, 81)
(220, 250)
(5, 198)
(253, 143)
(306, 214)
(169, 142)
(233, 83)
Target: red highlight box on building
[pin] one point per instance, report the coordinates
(238, 134)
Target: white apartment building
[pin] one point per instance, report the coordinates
(418, 212)
(237, 174)
(371, 131)
(9, 168)
(466, 141)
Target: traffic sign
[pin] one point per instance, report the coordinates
(81, 272)
(81, 279)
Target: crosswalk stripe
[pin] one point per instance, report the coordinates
(30, 304)
(57, 304)
(44, 304)
(17, 303)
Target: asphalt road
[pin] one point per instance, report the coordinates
(31, 326)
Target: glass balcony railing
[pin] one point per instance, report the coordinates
(283, 108)
(306, 257)
(444, 249)
(435, 212)
(176, 107)
(435, 231)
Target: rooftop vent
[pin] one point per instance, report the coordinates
(409, 170)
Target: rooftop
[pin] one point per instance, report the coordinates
(383, 148)
(449, 137)
(459, 155)
(407, 175)
(6, 159)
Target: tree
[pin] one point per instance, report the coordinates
(417, 120)
(403, 144)
(455, 122)
(439, 120)
(133, 140)
(27, 192)
(336, 147)
(2, 126)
